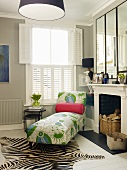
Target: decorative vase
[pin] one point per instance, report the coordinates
(36, 103)
(121, 81)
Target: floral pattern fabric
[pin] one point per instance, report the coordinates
(61, 127)
(72, 97)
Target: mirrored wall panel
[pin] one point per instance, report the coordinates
(111, 39)
(100, 45)
(122, 37)
(111, 65)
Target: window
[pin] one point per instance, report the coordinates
(50, 46)
(49, 56)
(51, 72)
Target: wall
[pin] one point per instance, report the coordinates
(9, 35)
(87, 40)
(87, 52)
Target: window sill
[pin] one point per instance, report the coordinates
(44, 104)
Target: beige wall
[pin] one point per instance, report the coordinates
(9, 35)
(87, 40)
(87, 52)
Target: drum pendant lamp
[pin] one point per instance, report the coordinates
(42, 9)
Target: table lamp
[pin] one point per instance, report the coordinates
(88, 63)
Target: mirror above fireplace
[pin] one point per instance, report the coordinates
(122, 37)
(111, 40)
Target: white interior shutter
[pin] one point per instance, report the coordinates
(47, 84)
(78, 46)
(57, 81)
(36, 80)
(25, 41)
(50, 80)
(67, 75)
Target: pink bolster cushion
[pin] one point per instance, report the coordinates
(70, 107)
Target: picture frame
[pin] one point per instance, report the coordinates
(82, 80)
(97, 78)
(4, 63)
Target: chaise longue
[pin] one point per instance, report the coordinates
(62, 126)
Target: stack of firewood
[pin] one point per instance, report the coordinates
(115, 116)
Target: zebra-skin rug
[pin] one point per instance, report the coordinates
(19, 155)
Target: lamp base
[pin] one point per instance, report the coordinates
(90, 75)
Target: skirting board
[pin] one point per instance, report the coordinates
(11, 127)
(90, 123)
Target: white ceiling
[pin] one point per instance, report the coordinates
(76, 10)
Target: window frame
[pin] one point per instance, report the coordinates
(25, 56)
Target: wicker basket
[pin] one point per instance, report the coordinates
(117, 141)
(110, 126)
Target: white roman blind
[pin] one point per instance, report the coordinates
(78, 46)
(50, 80)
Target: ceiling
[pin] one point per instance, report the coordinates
(76, 10)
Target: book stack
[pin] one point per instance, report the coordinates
(35, 108)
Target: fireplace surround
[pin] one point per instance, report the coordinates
(110, 89)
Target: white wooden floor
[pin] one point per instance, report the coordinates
(111, 162)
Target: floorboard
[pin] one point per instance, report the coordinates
(100, 140)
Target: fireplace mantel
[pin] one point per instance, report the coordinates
(111, 89)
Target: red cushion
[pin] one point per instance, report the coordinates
(70, 107)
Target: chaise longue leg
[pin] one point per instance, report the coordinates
(30, 144)
(83, 128)
(63, 147)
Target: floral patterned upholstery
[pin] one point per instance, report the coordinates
(59, 128)
(72, 97)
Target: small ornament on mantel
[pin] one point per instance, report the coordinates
(121, 78)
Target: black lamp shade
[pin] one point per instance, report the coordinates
(88, 62)
(42, 9)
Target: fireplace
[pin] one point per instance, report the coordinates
(108, 103)
(119, 90)
(109, 113)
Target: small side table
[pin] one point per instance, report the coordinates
(32, 114)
